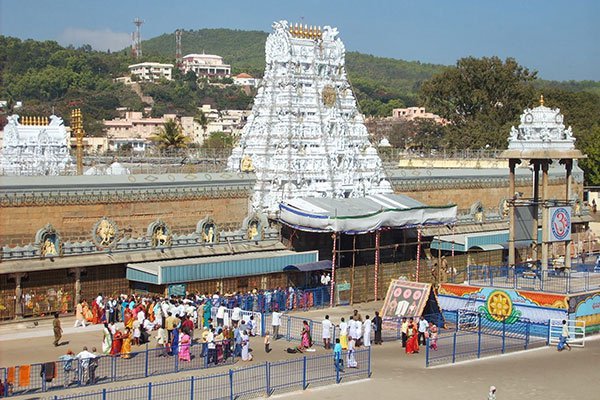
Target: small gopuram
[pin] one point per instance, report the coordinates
(305, 136)
(541, 139)
(35, 146)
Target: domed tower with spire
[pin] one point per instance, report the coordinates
(541, 139)
(305, 136)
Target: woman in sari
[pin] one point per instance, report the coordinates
(128, 318)
(206, 313)
(117, 343)
(126, 347)
(87, 313)
(412, 344)
(226, 343)
(174, 350)
(219, 344)
(95, 312)
(306, 339)
(106, 340)
(246, 355)
(433, 335)
(184, 346)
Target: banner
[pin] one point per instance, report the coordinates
(560, 224)
(405, 299)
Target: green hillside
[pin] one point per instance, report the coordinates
(376, 80)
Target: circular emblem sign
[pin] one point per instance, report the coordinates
(560, 223)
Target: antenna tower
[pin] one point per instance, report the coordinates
(137, 38)
(178, 57)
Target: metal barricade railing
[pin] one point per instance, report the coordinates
(256, 380)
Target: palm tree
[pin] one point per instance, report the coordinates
(170, 136)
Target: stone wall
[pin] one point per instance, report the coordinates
(75, 222)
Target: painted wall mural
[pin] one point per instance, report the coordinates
(586, 308)
(505, 304)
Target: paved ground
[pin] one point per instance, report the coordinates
(538, 374)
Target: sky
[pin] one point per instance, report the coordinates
(559, 39)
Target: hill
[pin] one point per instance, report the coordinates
(376, 80)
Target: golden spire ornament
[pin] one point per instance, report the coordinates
(541, 99)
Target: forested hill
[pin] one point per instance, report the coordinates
(376, 80)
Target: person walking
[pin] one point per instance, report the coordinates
(79, 316)
(404, 331)
(378, 327)
(57, 330)
(326, 326)
(337, 356)
(562, 343)
(276, 322)
(267, 342)
(492, 393)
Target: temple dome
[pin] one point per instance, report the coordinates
(541, 128)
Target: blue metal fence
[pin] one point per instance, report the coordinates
(581, 278)
(252, 381)
(483, 337)
(32, 378)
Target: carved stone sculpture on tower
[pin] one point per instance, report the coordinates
(37, 147)
(305, 136)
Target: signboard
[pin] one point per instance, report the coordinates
(177, 290)
(524, 233)
(560, 224)
(405, 299)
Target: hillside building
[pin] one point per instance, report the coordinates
(205, 65)
(412, 113)
(150, 71)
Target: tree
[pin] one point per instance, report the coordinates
(200, 119)
(218, 140)
(170, 136)
(481, 98)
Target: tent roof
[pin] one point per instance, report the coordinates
(312, 266)
(358, 215)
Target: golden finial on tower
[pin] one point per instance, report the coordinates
(320, 33)
(541, 99)
(312, 32)
(296, 29)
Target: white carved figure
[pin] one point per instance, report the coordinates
(541, 128)
(35, 147)
(305, 133)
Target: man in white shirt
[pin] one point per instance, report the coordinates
(236, 314)
(275, 323)
(212, 347)
(220, 315)
(326, 326)
(367, 329)
(423, 325)
(84, 358)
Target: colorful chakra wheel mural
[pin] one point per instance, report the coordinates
(499, 307)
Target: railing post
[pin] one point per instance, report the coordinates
(369, 370)
(191, 388)
(454, 349)
(44, 380)
(104, 394)
(287, 334)
(542, 280)
(426, 354)
(337, 367)
(113, 369)
(262, 324)
(176, 356)
(146, 362)
(503, 335)
(479, 336)
(149, 390)
(231, 384)
(304, 373)
(5, 380)
(268, 377)
(527, 333)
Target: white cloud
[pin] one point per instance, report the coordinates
(102, 39)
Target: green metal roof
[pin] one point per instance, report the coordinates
(208, 268)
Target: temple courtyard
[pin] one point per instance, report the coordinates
(541, 373)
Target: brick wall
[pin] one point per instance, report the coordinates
(75, 222)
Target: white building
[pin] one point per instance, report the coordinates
(150, 71)
(244, 79)
(205, 65)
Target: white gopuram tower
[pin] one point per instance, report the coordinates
(306, 137)
(35, 146)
